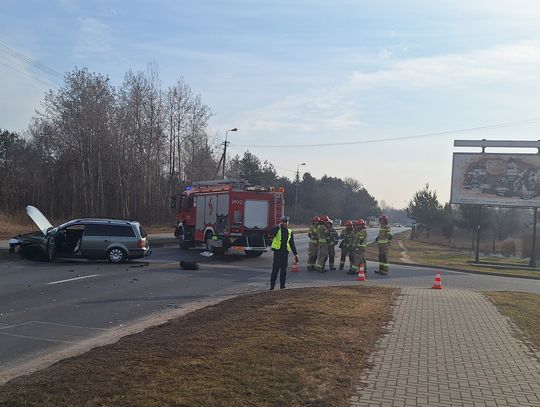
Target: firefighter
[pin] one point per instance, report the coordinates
(345, 245)
(383, 239)
(322, 235)
(359, 243)
(282, 244)
(313, 248)
(333, 238)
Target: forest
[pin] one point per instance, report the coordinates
(93, 149)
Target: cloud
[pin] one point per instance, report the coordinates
(343, 107)
(93, 38)
(515, 62)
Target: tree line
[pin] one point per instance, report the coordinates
(94, 149)
(456, 221)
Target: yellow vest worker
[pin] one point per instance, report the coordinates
(282, 245)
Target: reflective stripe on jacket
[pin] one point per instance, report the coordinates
(322, 234)
(385, 234)
(313, 235)
(360, 239)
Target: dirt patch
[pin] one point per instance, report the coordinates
(523, 309)
(291, 347)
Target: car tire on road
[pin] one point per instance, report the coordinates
(116, 255)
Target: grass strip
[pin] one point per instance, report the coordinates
(523, 309)
(303, 347)
(437, 255)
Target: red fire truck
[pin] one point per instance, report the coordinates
(228, 215)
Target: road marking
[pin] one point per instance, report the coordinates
(72, 279)
(35, 338)
(52, 323)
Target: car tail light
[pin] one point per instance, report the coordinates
(141, 244)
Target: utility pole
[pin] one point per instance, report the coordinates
(532, 261)
(225, 151)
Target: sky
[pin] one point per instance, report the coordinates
(333, 84)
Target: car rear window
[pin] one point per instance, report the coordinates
(109, 230)
(143, 232)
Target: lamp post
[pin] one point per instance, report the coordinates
(297, 182)
(225, 151)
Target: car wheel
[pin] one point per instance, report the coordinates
(116, 255)
(254, 253)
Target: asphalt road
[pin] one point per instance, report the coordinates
(47, 308)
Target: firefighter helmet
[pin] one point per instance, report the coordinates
(324, 218)
(383, 219)
(316, 219)
(361, 222)
(329, 221)
(348, 223)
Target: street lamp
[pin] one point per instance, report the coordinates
(297, 182)
(225, 150)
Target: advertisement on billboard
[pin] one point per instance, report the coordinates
(496, 179)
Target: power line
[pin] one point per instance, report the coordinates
(17, 60)
(381, 140)
(25, 73)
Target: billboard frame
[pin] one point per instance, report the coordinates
(504, 144)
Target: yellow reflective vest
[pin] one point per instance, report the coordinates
(276, 242)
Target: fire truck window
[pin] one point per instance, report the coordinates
(190, 202)
(237, 216)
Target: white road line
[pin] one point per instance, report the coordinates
(72, 279)
(35, 338)
(52, 323)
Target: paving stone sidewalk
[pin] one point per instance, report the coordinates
(449, 347)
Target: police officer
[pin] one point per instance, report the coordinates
(333, 238)
(322, 235)
(383, 239)
(282, 244)
(313, 247)
(345, 245)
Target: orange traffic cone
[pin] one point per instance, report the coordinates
(361, 274)
(438, 282)
(294, 268)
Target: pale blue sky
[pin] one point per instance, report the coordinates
(306, 72)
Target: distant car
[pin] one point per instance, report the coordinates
(90, 238)
(397, 225)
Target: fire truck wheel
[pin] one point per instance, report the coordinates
(182, 242)
(253, 253)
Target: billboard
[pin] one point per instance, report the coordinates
(496, 179)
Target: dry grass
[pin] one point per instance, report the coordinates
(523, 309)
(14, 225)
(444, 256)
(302, 347)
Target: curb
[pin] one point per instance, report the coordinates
(483, 273)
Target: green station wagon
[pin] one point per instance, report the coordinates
(112, 239)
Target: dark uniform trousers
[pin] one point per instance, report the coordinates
(279, 265)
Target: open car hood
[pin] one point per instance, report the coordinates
(39, 219)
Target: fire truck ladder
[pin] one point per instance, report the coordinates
(278, 207)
